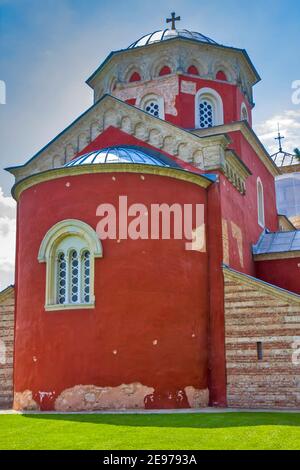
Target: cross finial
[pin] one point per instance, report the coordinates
(173, 20)
(279, 138)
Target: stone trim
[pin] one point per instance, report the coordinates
(285, 223)
(280, 255)
(249, 135)
(5, 293)
(110, 111)
(198, 179)
(261, 286)
(236, 171)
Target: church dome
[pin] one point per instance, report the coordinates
(123, 154)
(165, 34)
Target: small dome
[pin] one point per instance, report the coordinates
(123, 154)
(165, 34)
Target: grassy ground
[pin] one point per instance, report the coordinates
(168, 431)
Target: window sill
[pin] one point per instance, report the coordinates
(62, 307)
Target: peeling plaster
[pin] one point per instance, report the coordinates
(90, 397)
(24, 401)
(197, 398)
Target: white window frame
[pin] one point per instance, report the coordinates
(244, 110)
(260, 203)
(217, 103)
(73, 235)
(153, 97)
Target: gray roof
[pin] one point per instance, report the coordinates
(277, 242)
(123, 154)
(165, 34)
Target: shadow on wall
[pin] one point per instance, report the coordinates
(197, 420)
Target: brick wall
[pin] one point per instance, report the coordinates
(258, 312)
(7, 301)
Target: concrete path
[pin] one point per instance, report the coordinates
(146, 412)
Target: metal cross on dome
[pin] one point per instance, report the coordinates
(173, 20)
(279, 138)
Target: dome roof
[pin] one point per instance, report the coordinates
(123, 154)
(165, 34)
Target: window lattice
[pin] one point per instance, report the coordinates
(62, 279)
(86, 265)
(206, 114)
(74, 277)
(152, 108)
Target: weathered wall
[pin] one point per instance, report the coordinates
(283, 272)
(151, 297)
(256, 312)
(7, 307)
(237, 210)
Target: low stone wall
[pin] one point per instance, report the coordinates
(261, 319)
(7, 307)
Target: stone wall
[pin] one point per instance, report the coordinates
(7, 306)
(256, 312)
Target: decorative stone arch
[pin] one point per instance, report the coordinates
(112, 84)
(58, 161)
(155, 138)
(147, 101)
(260, 203)
(94, 130)
(130, 71)
(220, 66)
(164, 61)
(82, 141)
(75, 235)
(244, 113)
(216, 101)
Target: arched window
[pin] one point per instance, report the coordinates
(208, 109)
(135, 77)
(244, 113)
(192, 70)
(165, 70)
(260, 203)
(69, 249)
(220, 75)
(153, 104)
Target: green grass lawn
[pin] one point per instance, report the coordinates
(151, 431)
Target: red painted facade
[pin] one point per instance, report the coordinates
(159, 313)
(284, 273)
(160, 293)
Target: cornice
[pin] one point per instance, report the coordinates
(165, 45)
(280, 255)
(110, 111)
(195, 178)
(260, 285)
(6, 293)
(249, 135)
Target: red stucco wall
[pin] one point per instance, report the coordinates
(145, 291)
(185, 102)
(284, 273)
(241, 210)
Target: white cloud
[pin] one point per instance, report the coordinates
(289, 122)
(7, 239)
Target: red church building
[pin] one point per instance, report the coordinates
(123, 322)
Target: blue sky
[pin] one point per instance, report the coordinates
(49, 47)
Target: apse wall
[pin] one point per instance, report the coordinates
(145, 344)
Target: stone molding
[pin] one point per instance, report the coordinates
(261, 286)
(112, 112)
(195, 178)
(280, 255)
(250, 136)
